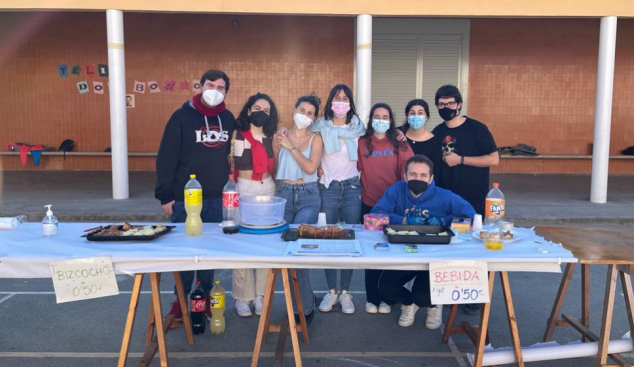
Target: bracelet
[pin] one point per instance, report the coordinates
(293, 148)
(462, 160)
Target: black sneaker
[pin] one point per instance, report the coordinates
(472, 309)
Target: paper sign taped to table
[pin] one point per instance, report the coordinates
(80, 279)
(460, 281)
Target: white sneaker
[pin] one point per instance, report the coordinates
(330, 299)
(371, 307)
(243, 308)
(434, 317)
(408, 314)
(345, 300)
(384, 308)
(258, 302)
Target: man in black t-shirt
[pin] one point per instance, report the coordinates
(468, 151)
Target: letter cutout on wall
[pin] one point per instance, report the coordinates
(97, 87)
(139, 87)
(153, 86)
(62, 70)
(82, 87)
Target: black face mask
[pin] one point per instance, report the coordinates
(417, 186)
(447, 113)
(259, 118)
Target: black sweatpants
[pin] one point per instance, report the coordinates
(392, 287)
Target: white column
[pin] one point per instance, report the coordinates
(603, 111)
(118, 118)
(364, 66)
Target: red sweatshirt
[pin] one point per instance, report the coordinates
(384, 167)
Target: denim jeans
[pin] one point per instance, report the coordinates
(302, 206)
(211, 213)
(341, 201)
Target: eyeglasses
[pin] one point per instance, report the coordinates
(452, 104)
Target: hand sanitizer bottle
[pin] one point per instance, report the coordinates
(49, 223)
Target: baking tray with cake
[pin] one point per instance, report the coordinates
(421, 235)
(320, 232)
(127, 232)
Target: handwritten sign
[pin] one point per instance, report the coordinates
(456, 282)
(80, 279)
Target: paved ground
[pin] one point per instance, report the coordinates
(87, 196)
(37, 332)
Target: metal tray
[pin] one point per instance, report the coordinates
(90, 236)
(422, 238)
(292, 234)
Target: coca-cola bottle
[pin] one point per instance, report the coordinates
(230, 202)
(197, 303)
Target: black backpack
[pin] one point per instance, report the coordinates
(66, 146)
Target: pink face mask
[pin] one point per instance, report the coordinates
(340, 109)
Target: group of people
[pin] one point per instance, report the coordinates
(336, 164)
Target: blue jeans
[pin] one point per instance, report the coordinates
(211, 213)
(341, 201)
(302, 206)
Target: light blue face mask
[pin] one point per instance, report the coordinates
(380, 126)
(416, 122)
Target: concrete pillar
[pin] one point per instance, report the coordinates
(118, 118)
(603, 111)
(364, 66)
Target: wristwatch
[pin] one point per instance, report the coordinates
(461, 159)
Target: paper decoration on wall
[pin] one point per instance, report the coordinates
(183, 85)
(153, 87)
(196, 86)
(103, 70)
(90, 70)
(82, 87)
(76, 70)
(129, 101)
(169, 85)
(97, 87)
(139, 87)
(62, 69)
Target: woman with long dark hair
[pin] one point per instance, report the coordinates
(381, 162)
(340, 187)
(254, 159)
(418, 137)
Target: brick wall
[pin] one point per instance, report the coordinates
(533, 81)
(284, 57)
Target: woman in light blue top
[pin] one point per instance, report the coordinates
(298, 161)
(340, 187)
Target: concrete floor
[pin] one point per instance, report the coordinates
(86, 196)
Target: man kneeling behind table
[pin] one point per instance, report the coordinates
(430, 205)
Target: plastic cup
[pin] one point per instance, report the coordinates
(321, 220)
(477, 223)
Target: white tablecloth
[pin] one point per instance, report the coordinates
(24, 253)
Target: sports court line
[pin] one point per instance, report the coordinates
(454, 348)
(236, 354)
(7, 297)
(148, 292)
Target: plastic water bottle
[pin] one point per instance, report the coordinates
(197, 304)
(494, 208)
(217, 303)
(193, 206)
(49, 223)
(230, 207)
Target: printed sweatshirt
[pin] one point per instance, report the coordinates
(188, 148)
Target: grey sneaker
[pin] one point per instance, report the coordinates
(384, 308)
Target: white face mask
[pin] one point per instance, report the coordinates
(302, 121)
(213, 97)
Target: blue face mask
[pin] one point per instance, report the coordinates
(380, 126)
(416, 122)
